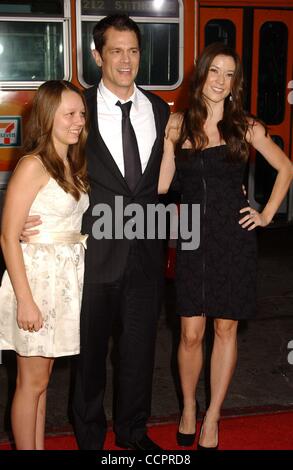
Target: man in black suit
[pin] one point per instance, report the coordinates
(123, 278)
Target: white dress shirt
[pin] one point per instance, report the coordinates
(110, 124)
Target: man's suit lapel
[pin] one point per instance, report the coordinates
(154, 152)
(103, 152)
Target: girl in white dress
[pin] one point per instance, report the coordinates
(40, 294)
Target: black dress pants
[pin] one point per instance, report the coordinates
(134, 303)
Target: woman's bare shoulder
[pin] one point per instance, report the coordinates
(256, 130)
(31, 162)
(30, 167)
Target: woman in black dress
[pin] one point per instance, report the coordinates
(208, 145)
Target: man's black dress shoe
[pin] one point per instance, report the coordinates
(145, 443)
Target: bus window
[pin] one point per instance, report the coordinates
(34, 7)
(220, 31)
(31, 51)
(271, 100)
(33, 43)
(159, 43)
(160, 22)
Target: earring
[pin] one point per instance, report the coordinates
(230, 98)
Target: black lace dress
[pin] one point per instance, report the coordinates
(219, 278)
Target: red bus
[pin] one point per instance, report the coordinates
(51, 39)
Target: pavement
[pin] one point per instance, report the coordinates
(263, 381)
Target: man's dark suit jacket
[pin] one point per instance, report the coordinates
(106, 258)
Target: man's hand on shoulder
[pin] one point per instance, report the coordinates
(173, 128)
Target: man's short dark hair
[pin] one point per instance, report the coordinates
(119, 22)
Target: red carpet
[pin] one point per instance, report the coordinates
(260, 432)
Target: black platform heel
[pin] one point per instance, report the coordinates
(187, 440)
(200, 447)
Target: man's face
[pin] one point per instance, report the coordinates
(119, 61)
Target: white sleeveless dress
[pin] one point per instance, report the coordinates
(55, 273)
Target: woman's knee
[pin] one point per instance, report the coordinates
(225, 329)
(34, 379)
(35, 384)
(191, 338)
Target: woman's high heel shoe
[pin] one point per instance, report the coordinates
(187, 440)
(200, 447)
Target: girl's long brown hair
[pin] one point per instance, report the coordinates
(234, 124)
(39, 139)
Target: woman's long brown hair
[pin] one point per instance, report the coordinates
(234, 125)
(39, 139)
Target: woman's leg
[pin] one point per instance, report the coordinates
(41, 415)
(223, 362)
(190, 358)
(32, 380)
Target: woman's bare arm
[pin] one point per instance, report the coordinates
(167, 169)
(26, 181)
(278, 160)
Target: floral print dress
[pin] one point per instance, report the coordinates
(55, 274)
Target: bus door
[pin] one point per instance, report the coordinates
(272, 72)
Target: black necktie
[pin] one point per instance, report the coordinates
(132, 164)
